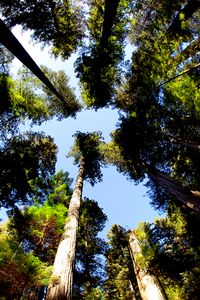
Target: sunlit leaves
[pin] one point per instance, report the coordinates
(23, 158)
(55, 23)
(87, 148)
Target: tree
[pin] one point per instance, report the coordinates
(100, 64)
(88, 157)
(154, 158)
(34, 233)
(37, 230)
(88, 270)
(23, 159)
(59, 24)
(38, 100)
(121, 281)
(170, 249)
(149, 288)
(20, 271)
(26, 98)
(14, 46)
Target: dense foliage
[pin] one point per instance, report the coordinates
(157, 141)
(55, 23)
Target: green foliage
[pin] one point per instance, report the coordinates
(121, 281)
(20, 271)
(170, 250)
(87, 148)
(100, 65)
(90, 247)
(23, 158)
(55, 23)
(96, 293)
(26, 98)
(37, 102)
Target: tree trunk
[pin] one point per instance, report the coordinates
(13, 45)
(148, 288)
(191, 199)
(109, 16)
(187, 11)
(60, 287)
(192, 49)
(188, 144)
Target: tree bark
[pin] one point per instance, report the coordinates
(149, 289)
(60, 287)
(191, 199)
(14, 46)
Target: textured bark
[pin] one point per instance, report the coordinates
(62, 278)
(14, 46)
(191, 199)
(149, 289)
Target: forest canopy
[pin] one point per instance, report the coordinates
(50, 244)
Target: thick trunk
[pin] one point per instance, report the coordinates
(188, 10)
(191, 199)
(62, 278)
(109, 16)
(189, 51)
(149, 290)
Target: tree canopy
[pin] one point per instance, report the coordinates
(59, 24)
(156, 141)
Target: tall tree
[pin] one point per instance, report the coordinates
(121, 281)
(149, 288)
(23, 159)
(88, 157)
(100, 64)
(37, 231)
(59, 24)
(88, 270)
(14, 46)
(170, 249)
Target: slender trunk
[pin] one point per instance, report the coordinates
(149, 290)
(181, 74)
(132, 290)
(191, 199)
(13, 45)
(60, 287)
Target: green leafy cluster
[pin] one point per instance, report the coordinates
(55, 23)
(99, 67)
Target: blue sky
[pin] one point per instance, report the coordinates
(123, 202)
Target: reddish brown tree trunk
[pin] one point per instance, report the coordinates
(191, 199)
(60, 287)
(149, 289)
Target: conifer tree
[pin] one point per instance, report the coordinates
(88, 157)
